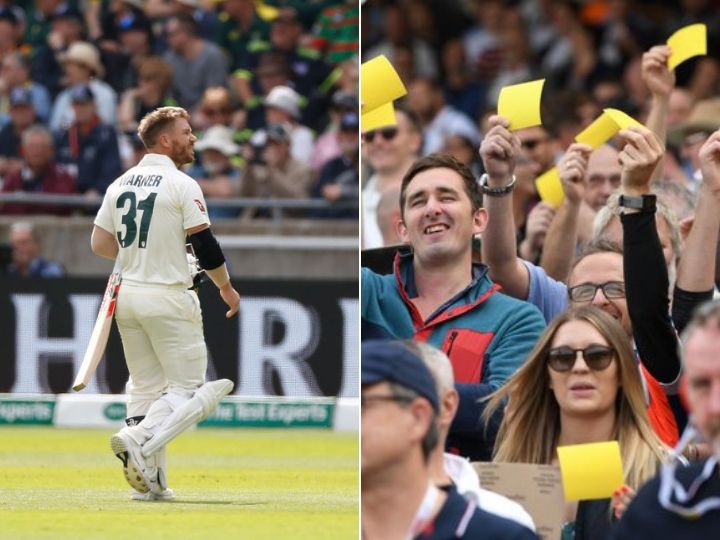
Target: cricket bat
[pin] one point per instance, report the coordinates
(100, 333)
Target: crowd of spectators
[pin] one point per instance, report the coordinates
(77, 76)
(560, 321)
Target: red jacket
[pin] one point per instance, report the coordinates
(55, 180)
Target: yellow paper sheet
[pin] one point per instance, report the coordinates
(520, 103)
(382, 116)
(604, 127)
(686, 43)
(379, 84)
(266, 13)
(590, 471)
(550, 188)
(622, 120)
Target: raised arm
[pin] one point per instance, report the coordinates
(696, 270)
(646, 276)
(561, 238)
(660, 81)
(499, 249)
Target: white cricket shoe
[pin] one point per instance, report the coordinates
(129, 452)
(166, 495)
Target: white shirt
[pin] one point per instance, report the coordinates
(148, 210)
(468, 484)
(371, 234)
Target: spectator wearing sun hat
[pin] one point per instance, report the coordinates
(82, 65)
(215, 173)
(282, 106)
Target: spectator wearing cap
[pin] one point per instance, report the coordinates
(22, 116)
(197, 63)
(310, 76)
(126, 40)
(67, 27)
(399, 422)
(16, 74)
(274, 173)
(282, 106)
(215, 173)
(339, 178)
(438, 120)
(326, 145)
(241, 30)
(39, 174)
(89, 147)
(82, 66)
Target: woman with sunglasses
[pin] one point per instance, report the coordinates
(579, 385)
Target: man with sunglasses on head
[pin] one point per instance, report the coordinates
(389, 151)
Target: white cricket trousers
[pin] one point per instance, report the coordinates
(162, 335)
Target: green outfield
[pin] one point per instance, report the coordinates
(229, 483)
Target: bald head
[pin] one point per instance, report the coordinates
(603, 176)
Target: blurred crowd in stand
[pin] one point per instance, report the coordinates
(273, 100)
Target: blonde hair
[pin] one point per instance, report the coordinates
(158, 70)
(157, 121)
(530, 428)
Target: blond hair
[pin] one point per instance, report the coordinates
(530, 429)
(157, 121)
(157, 69)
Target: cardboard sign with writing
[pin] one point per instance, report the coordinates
(538, 488)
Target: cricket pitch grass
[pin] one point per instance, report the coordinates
(229, 483)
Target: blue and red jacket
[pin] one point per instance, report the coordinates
(487, 336)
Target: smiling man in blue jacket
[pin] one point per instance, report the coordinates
(437, 295)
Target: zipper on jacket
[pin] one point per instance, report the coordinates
(453, 335)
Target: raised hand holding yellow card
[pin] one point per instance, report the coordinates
(686, 43)
(604, 127)
(382, 116)
(550, 188)
(379, 84)
(590, 471)
(622, 120)
(520, 104)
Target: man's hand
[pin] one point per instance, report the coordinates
(498, 151)
(538, 223)
(710, 163)
(231, 297)
(332, 192)
(572, 169)
(655, 73)
(639, 157)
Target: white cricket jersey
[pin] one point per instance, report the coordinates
(148, 210)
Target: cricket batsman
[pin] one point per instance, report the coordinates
(143, 223)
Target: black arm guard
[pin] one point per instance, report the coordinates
(207, 250)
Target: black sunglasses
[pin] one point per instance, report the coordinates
(388, 133)
(585, 292)
(597, 357)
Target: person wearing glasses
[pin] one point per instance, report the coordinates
(579, 385)
(684, 502)
(389, 151)
(399, 421)
(599, 264)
